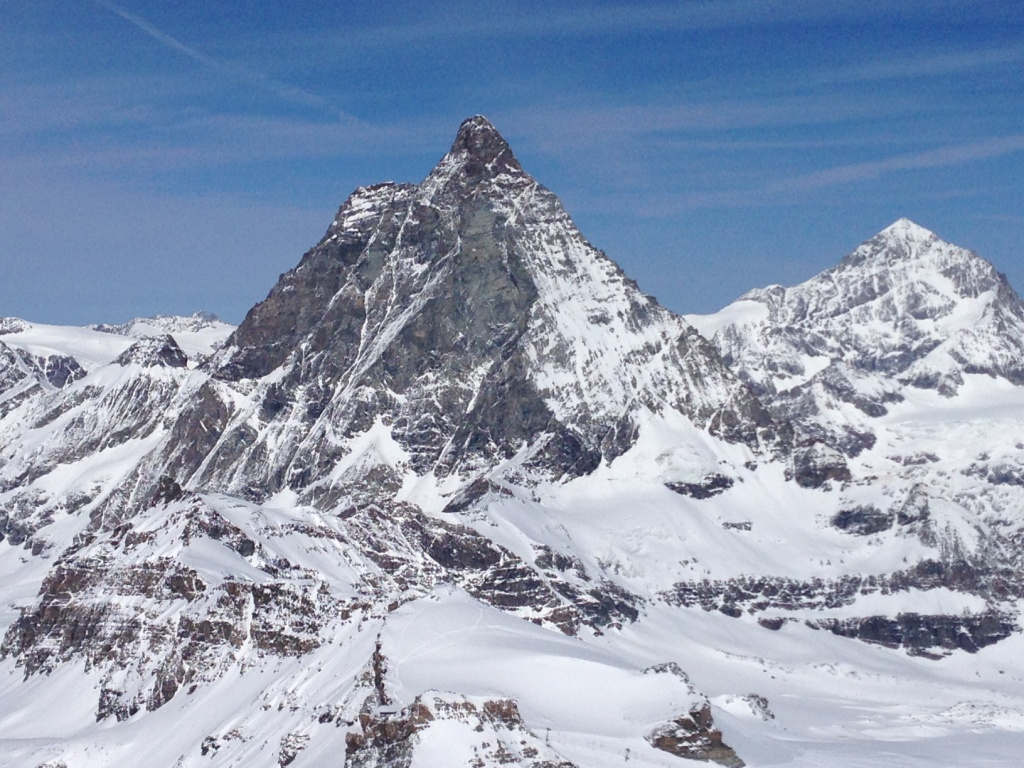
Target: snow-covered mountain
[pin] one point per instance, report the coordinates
(84, 349)
(457, 493)
(469, 315)
(80, 397)
(198, 334)
(905, 309)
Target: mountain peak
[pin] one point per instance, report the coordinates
(477, 135)
(905, 304)
(902, 242)
(480, 150)
(907, 230)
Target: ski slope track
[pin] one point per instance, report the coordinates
(456, 493)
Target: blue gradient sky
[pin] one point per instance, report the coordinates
(163, 157)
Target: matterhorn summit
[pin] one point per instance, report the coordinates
(458, 493)
(471, 319)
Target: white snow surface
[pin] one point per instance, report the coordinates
(90, 348)
(97, 345)
(197, 334)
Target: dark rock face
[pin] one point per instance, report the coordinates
(815, 465)
(693, 737)
(10, 371)
(291, 746)
(174, 630)
(59, 370)
(156, 351)
(998, 474)
(803, 405)
(709, 486)
(12, 325)
(863, 520)
(756, 594)
(19, 367)
(456, 554)
(195, 438)
(167, 490)
(919, 634)
(486, 150)
(16, 383)
(915, 508)
(447, 312)
(387, 740)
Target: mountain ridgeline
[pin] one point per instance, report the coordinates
(471, 316)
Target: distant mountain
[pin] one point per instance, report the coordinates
(905, 309)
(36, 357)
(198, 334)
(457, 493)
(149, 326)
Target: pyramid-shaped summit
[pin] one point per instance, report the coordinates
(469, 320)
(480, 145)
(892, 300)
(902, 241)
(912, 270)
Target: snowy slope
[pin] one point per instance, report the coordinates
(88, 347)
(904, 310)
(198, 334)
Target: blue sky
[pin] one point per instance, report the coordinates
(165, 157)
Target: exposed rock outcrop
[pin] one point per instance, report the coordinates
(693, 736)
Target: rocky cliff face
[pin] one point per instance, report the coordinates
(469, 317)
(457, 492)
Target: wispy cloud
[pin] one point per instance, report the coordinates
(926, 66)
(787, 191)
(944, 157)
(269, 84)
(754, 145)
(631, 19)
(199, 141)
(571, 127)
(1002, 218)
(32, 109)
